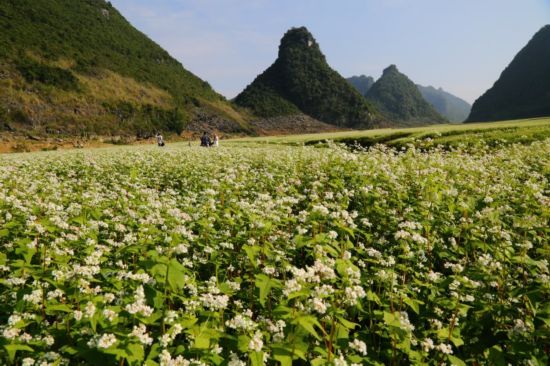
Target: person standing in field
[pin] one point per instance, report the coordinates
(216, 140)
(160, 140)
(205, 140)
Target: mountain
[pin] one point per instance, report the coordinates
(78, 67)
(449, 106)
(361, 83)
(398, 98)
(301, 81)
(523, 89)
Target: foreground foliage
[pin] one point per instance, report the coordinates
(275, 255)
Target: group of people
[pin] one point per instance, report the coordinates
(206, 141)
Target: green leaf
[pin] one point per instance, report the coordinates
(13, 348)
(455, 361)
(282, 354)
(243, 342)
(265, 283)
(342, 267)
(176, 275)
(309, 322)
(24, 250)
(392, 319)
(371, 296)
(150, 363)
(69, 350)
(413, 304)
(346, 323)
(60, 307)
(154, 352)
(496, 356)
(318, 362)
(202, 341)
(256, 358)
(135, 352)
(252, 253)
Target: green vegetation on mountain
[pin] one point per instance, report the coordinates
(300, 80)
(449, 106)
(446, 104)
(399, 100)
(362, 83)
(523, 89)
(78, 66)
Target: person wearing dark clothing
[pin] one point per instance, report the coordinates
(205, 140)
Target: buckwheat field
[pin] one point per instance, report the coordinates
(253, 255)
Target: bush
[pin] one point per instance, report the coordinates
(49, 75)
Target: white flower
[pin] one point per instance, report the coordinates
(216, 349)
(181, 249)
(139, 306)
(49, 340)
(256, 343)
(404, 320)
(214, 302)
(235, 361)
(35, 297)
(340, 361)
(106, 340)
(520, 326)
(110, 314)
(241, 322)
(27, 362)
(402, 234)
(269, 270)
(319, 305)
(89, 310)
(353, 294)
(434, 276)
(11, 333)
(446, 349)
(291, 286)
(427, 345)
(77, 315)
(140, 332)
(359, 346)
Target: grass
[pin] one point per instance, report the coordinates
(523, 131)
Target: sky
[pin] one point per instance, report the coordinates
(459, 45)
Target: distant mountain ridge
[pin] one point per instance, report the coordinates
(78, 67)
(362, 83)
(523, 88)
(301, 81)
(399, 100)
(449, 106)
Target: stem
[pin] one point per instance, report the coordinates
(453, 323)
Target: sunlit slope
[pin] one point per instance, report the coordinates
(448, 134)
(72, 66)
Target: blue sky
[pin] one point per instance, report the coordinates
(460, 45)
